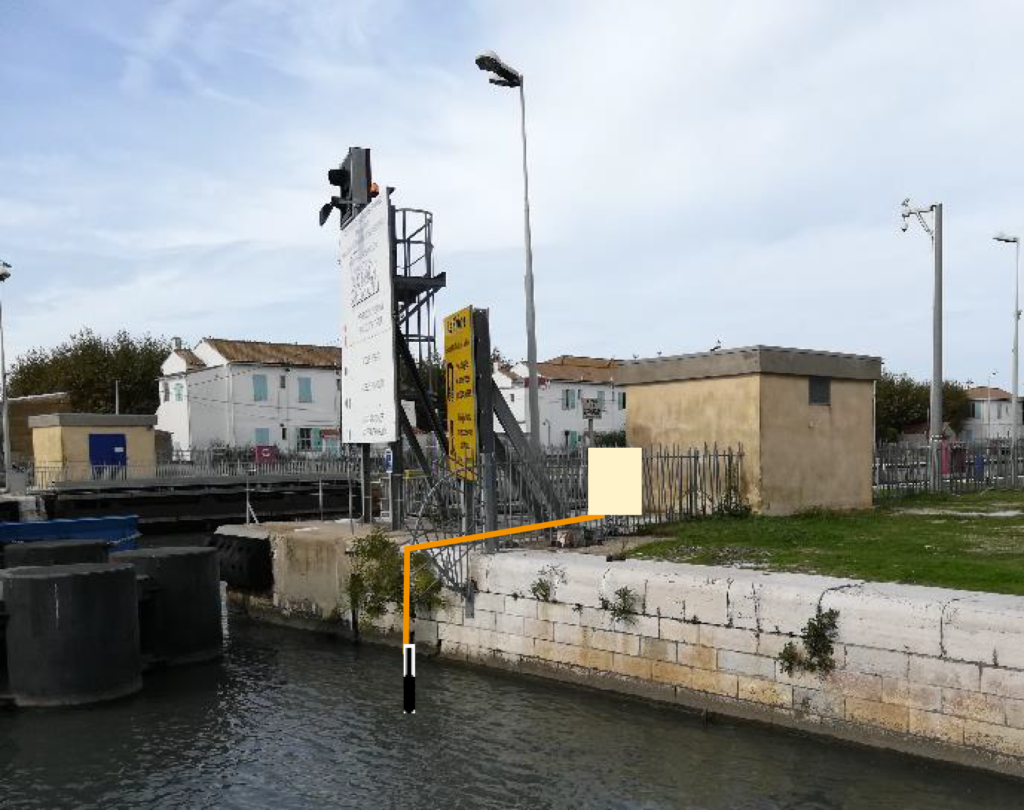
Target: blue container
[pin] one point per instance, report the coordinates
(121, 531)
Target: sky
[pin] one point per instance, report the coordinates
(699, 172)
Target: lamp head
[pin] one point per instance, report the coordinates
(1003, 237)
(504, 75)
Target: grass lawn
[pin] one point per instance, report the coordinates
(974, 542)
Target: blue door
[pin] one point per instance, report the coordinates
(107, 450)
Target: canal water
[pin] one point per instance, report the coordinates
(292, 720)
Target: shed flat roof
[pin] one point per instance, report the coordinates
(750, 360)
(92, 420)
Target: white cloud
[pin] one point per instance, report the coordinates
(698, 171)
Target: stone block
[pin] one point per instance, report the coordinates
(556, 653)
(482, 619)
(521, 607)
(558, 612)
(913, 695)
(570, 634)
(875, 713)
(494, 602)
(768, 692)
(658, 649)
(728, 638)
(987, 628)
(1014, 712)
(1004, 682)
(938, 672)
(697, 656)
(676, 630)
(624, 643)
(877, 662)
(746, 664)
(974, 706)
(903, 618)
(603, 620)
(689, 593)
(511, 643)
(718, 683)
(538, 628)
(1004, 739)
(510, 624)
(674, 674)
(631, 666)
(937, 726)
(771, 644)
(426, 631)
(454, 650)
(821, 702)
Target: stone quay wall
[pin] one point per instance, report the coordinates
(929, 671)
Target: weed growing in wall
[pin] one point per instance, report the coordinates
(378, 577)
(624, 606)
(544, 587)
(818, 636)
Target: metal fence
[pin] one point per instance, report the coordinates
(909, 469)
(677, 484)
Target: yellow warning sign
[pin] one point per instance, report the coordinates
(460, 387)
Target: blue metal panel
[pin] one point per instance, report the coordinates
(122, 531)
(107, 450)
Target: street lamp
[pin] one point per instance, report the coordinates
(935, 408)
(988, 405)
(506, 76)
(5, 273)
(1015, 418)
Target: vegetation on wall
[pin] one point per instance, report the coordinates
(818, 636)
(377, 582)
(86, 366)
(624, 606)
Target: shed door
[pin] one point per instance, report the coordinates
(107, 450)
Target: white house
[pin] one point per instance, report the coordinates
(990, 414)
(563, 382)
(242, 393)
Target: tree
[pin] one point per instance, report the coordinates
(86, 366)
(901, 401)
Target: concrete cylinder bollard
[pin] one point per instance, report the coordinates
(180, 619)
(53, 552)
(72, 633)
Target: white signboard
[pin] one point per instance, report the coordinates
(591, 408)
(368, 409)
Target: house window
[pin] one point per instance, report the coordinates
(622, 400)
(179, 390)
(511, 397)
(259, 387)
(262, 437)
(310, 439)
(819, 390)
(305, 389)
(568, 400)
(167, 392)
(571, 438)
(284, 433)
(283, 384)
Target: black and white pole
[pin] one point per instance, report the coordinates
(409, 678)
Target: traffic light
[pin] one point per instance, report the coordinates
(355, 186)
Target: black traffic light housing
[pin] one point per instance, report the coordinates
(355, 186)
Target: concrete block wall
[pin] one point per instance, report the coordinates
(924, 670)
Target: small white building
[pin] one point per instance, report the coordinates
(247, 393)
(563, 382)
(990, 416)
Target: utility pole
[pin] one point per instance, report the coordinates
(935, 409)
(1015, 417)
(117, 397)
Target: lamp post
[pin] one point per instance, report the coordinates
(935, 408)
(1014, 416)
(506, 76)
(5, 273)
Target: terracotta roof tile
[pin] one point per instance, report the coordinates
(277, 354)
(982, 392)
(579, 369)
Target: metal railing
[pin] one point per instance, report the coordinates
(910, 469)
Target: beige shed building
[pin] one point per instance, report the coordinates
(92, 446)
(805, 419)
